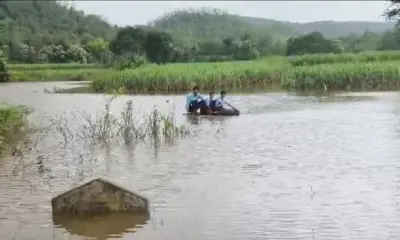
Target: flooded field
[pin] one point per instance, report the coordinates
(290, 167)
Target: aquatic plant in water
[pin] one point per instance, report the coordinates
(106, 127)
(13, 124)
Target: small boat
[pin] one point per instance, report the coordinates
(224, 112)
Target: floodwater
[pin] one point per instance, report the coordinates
(290, 167)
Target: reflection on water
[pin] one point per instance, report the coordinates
(291, 166)
(103, 226)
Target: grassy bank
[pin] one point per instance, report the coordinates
(42, 75)
(13, 120)
(366, 73)
(181, 77)
(54, 66)
(347, 71)
(55, 72)
(344, 76)
(363, 57)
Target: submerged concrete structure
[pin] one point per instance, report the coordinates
(98, 196)
(103, 226)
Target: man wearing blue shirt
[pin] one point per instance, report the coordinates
(194, 101)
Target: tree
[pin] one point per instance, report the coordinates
(99, 49)
(312, 43)
(26, 54)
(53, 54)
(129, 40)
(390, 40)
(76, 53)
(159, 47)
(246, 50)
(393, 11)
(229, 45)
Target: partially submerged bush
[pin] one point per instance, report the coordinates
(13, 122)
(106, 127)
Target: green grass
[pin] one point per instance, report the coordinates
(57, 66)
(79, 74)
(378, 75)
(356, 75)
(370, 56)
(181, 77)
(13, 120)
(346, 71)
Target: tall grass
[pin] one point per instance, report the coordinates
(181, 77)
(13, 123)
(344, 76)
(43, 75)
(364, 71)
(57, 66)
(370, 56)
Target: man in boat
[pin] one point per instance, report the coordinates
(209, 104)
(194, 101)
(220, 102)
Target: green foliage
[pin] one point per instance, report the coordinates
(45, 31)
(4, 69)
(345, 76)
(246, 50)
(206, 24)
(39, 23)
(393, 11)
(39, 75)
(130, 61)
(368, 56)
(12, 122)
(48, 32)
(158, 46)
(183, 76)
(313, 71)
(312, 43)
(100, 50)
(53, 66)
(129, 40)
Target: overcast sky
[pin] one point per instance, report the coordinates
(140, 12)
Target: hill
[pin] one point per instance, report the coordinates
(38, 23)
(206, 24)
(213, 23)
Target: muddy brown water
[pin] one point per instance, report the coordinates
(290, 167)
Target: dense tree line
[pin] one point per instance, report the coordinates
(46, 31)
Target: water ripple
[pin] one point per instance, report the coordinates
(290, 167)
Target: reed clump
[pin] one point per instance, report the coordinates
(13, 123)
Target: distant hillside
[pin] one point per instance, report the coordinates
(213, 23)
(44, 22)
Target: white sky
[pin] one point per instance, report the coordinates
(140, 12)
